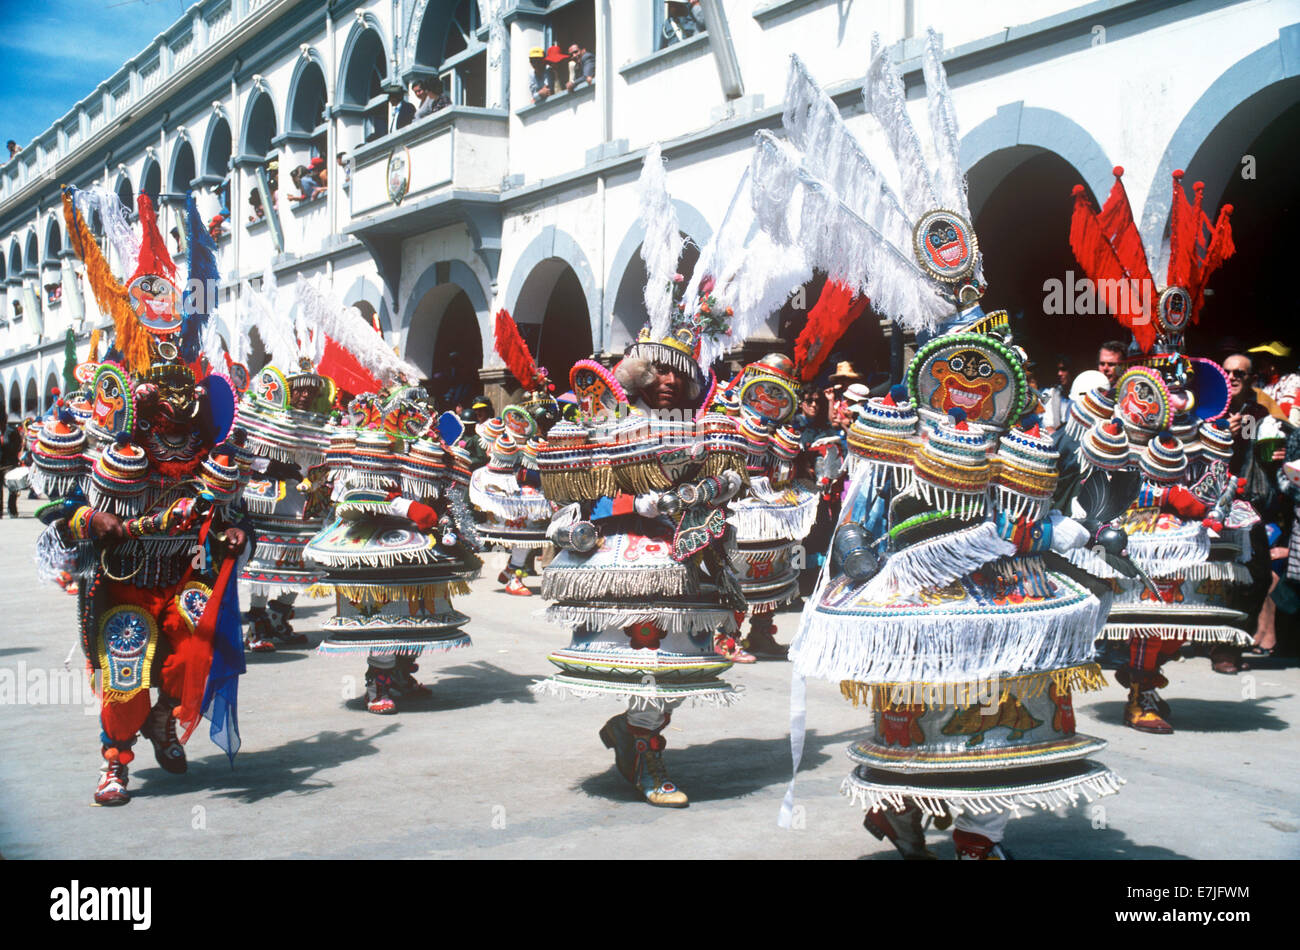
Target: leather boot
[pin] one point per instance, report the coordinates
(901, 829)
(280, 613)
(638, 756)
(1143, 709)
(113, 776)
(160, 729)
(975, 847)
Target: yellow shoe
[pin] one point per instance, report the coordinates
(1143, 712)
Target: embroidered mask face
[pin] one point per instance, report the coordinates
(967, 380)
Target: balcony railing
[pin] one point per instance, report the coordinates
(461, 148)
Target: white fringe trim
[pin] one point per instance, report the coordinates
(760, 522)
(1204, 633)
(1087, 559)
(639, 696)
(939, 561)
(577, 584)
(937, 802)
(945, 647)
(668, 620)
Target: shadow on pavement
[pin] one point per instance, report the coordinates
(725, 769)
(1207, 715)
(265, 773)
(462, 687)
(16, 651)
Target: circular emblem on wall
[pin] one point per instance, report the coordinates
(398, 175)
(1174, 310)
(971, 372)
(1142, 399)
(945, 245)
(271, 387)
(154, 300)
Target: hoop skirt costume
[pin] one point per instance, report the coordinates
(285, 497)
(779, 509)
(144, 488)
(643, 577)
(1155, 451)
(397, 547)
(512, 511)
(945, 607)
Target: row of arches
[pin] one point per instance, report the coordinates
(25, 398)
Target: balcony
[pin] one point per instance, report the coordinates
(445, 169)
(461, 148)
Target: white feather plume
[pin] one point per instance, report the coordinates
(349, 329)
(114, 217)
(753, 275)
(662, 247)
(949, 181)
(797, 208)
(264, 310)
(885, 98)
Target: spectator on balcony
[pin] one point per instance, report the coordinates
(14, 148)
(428, 89)
(541, 84)
(345, 163)
(582, 67)
(317, 179)
(400, 112)
(255, 202)
(681, 20)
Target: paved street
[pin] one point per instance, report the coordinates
(486, 770)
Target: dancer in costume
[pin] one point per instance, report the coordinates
(643, 577)
(398, 544)
(1156, 455)
(779, 510)
(946, 606)
(144, 496)
(283, 413)
(506, 491)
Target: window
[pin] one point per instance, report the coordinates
(569, 27)
(676, 21)
(450, 48)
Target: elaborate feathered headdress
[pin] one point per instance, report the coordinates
(1110, 249)
(912, 251)
(146, 311)
(512, 349)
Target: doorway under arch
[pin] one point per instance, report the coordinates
(552, 315)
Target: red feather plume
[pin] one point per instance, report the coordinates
(834, 312)
(514, 353)
(1108, 246)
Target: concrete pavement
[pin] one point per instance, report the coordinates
(484, 769)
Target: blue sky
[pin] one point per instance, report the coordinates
(55, 52)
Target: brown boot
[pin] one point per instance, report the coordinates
(1143, 711)
(902, 829)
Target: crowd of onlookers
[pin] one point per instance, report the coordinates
(550, 77)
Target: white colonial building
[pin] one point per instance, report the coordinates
(497, 201)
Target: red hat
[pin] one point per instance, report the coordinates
(316, 162)
(556, 55)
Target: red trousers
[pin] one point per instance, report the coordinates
(1146, 654)
(121, 721)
